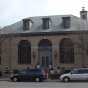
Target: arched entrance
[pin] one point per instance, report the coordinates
(45, 53)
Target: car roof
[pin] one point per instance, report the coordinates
(80, 68)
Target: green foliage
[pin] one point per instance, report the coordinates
(15, 71)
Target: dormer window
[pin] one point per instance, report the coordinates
(83, 16)
(27, 23)
(46, 23)
(66, 22)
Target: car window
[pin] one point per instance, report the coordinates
(75, 72)
(83, 71)
(31, 71)
(23, 72)
(39, 71)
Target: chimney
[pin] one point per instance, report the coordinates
(83, 8)
(83, 14)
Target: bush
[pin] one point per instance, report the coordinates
(55, 76)
(15, 71)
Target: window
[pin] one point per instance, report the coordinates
(35, 71)
(45, 43)
(75, 72)
(31, 71)
(43, 62)
(83, 16)
(38, 71)
(26, 24)
(23, 71)
(46, 23)
(24, 52)
(83, 71)
(66, 51)
(66, 22)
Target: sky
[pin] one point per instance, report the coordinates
(12, 11)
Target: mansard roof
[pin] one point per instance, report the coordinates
(76, 24)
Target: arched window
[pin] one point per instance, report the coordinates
(45, 43)
(66, 51)
(24, 52)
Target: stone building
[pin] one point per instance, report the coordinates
(44, 40)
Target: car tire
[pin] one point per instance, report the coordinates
(15, 79)
(37, 79)
(66, 79)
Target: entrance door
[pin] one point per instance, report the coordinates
(44, 53)
(45, 59)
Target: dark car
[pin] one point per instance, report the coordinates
(29, 74)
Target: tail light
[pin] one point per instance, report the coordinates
(44, 74)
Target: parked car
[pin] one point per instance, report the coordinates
(76, 74)
(29, 74)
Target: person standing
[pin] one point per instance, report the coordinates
(46, 71)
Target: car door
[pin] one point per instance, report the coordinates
(83, 74)
(74, 75)
(23, 74)
(30, 75)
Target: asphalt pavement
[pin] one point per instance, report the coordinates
(48, 80)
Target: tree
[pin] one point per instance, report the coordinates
(81, 41)
(6, 43)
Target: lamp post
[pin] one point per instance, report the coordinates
(33, 54)
(55, 54)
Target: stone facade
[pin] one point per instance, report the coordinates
(12, 60)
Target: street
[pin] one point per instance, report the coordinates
(8, 84)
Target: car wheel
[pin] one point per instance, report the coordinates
(66, 79)
(37, 79)
(15, 79)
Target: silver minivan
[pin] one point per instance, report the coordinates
(76, 74)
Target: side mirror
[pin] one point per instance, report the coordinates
(70, 72)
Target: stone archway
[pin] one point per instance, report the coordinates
(44, 53)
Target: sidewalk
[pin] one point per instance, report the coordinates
(4, 79)
(52, 80)
(48, 80)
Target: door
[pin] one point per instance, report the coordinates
(45, 59)
(74, 75)
(23, 75)
(31, 74)
(83, 74)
